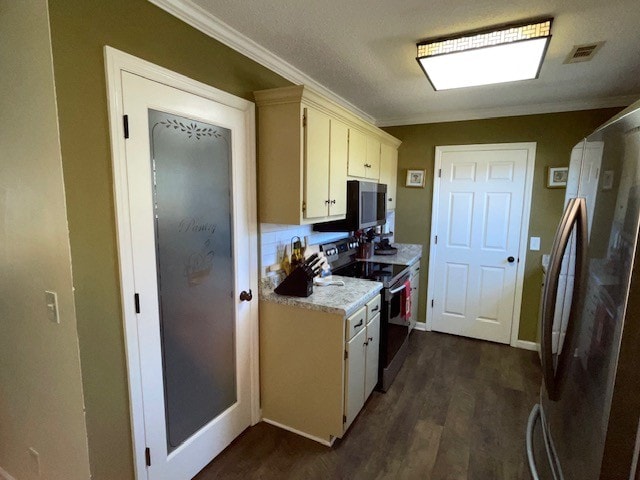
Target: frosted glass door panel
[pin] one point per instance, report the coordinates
(191, 170)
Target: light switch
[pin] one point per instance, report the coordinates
(534, 243)
(51, 300)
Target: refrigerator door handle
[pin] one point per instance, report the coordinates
(574, 212)
(533, 416)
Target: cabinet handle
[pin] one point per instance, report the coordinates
(326, 202)
(375, 309)
(359, 324)
(370, 339)
(333, 202)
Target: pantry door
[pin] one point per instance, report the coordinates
(186, 206)
(479, 229)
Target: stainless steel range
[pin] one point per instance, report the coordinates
(394, 327)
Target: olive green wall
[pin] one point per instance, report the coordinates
(555, 135)
(80, 29)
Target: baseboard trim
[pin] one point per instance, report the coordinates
(4, 475)
(302, 434)
(421, 327)
(526, 345)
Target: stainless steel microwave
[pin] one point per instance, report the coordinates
(366, 207)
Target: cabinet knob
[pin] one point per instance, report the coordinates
(370, 339)
(246, 296)
(333, 202)
(390, 199)
(326, 202)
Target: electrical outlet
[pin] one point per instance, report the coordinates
(35, 461)
(534, 243)
(51, 300)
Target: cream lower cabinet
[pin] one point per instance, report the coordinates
(316, 368)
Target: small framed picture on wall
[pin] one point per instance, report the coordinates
(415, 178)
(557, 177)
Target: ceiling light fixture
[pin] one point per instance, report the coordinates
(502, 54)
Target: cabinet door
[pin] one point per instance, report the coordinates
(357, 153)
(354, 376)
(316, 163)
(415, 290)
(338, 160)
(373, 355)
(373, 159)
(389, 172)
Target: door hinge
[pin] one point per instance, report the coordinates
(436, 240)
(304, 120)
(346, 354)
(125, 122)
(344, 419)
(147, 456)
(304, 206)
(136, 299)
(439, 173)
(432, 303)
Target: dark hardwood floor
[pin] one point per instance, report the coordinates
(457, 410)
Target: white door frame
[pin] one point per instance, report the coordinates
(524, 230)
(115, 63)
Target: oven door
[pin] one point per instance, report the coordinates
(395, 329)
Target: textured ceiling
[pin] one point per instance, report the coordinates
(364, 51)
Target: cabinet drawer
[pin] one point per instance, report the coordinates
(373, 307)
(355, 323)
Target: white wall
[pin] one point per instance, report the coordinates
(41, 401)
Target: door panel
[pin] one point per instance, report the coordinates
(187, 202)
(192, 200)
(354, 376)
(357, 153)
(496, 221)
(479, 207)
(316, 185)
(373, 355)
(338, 158)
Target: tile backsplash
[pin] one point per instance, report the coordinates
(274, 237)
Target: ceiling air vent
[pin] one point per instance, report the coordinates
(583, 53)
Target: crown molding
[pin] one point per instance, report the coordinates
(510, 111)
(212, 26)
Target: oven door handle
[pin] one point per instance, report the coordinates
(396, 290)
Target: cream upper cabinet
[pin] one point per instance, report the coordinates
(364, 155)
(338, 159)
(389, 172)
(357, 153)
(307, 147)
(373, 159)
(316, 149)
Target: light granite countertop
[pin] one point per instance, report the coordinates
(408, 253)
(342, 300)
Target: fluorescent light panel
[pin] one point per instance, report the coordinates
(507, 55)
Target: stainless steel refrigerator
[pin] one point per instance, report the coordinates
(585, 426)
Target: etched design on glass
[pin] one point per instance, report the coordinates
(195, 268)
(192, 129)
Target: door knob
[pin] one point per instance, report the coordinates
(511, 259)
(246, 296)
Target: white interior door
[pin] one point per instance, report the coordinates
(189, 221)
(479, 200)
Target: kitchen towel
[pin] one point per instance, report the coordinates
(405, 299)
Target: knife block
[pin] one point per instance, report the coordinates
(297, 284)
